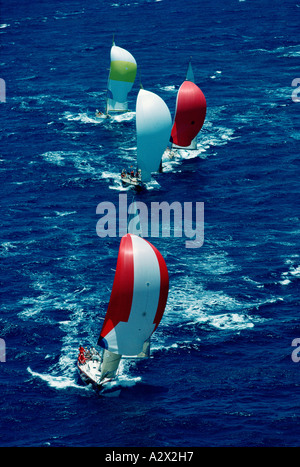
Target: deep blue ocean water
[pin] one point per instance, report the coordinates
(222, 372)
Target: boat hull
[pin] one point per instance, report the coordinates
(133, 181)
(90, 373)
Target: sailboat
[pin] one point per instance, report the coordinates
(137, 303)
(121, 77)
(153, 128)
(189, 115)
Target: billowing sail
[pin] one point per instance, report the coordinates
(121, 78)
(153, 127)
(145, 353)
(138, 297)
(109, 365)
(190, 114)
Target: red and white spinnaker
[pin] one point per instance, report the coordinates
(138, 298)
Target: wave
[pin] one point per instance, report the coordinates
(66, 381)
(81, 160)
(63, 15)
(210, 136)
(55, 157)
(117, 5)
(289, 51)
(189, 305)
(295, 135)
(114, 179)
(83, 118)
(173, 157)
(125, 117)
(293, 272)
(64, 213)
(216, 75)
(111, 389)
(283, 51)
(57, 382)
(229, 321)
(169, 88)
(8, 249)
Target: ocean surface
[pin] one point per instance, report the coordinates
(223, 371)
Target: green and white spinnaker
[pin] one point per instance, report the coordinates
(122, 74)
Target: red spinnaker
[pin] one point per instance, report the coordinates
(122, 291)
(190, 114)
(138, 298)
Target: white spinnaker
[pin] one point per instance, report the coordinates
(127, 338)
(119, 54)
(153, 127)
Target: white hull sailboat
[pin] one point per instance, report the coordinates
(89, 365)
(153, 129)
(121, 77)
(137, 303)
(132, 178)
